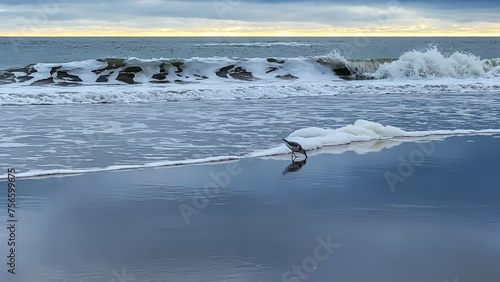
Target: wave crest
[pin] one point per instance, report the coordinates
(433, 63)
(332, 67)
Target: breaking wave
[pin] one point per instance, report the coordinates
(115, 80)
(414, 64)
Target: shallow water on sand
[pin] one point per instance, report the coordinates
(98, 136)
(335, 218)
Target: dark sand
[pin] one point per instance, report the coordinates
(442, 222)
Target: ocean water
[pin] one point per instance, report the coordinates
(90, 104)
(110, 109)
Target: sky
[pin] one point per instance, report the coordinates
(249, 18)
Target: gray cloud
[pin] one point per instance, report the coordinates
(174, 14)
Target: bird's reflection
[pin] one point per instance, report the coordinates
(295, 166)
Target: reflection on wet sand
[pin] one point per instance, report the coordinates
(294, 166)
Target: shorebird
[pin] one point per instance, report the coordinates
(295, 147)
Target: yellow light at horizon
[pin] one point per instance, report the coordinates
(241, 31)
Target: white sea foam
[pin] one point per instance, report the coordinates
(227, 91)
(314, 138)
(65, 172)
(360, 137)
(433, 63)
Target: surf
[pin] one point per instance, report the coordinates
(362, 137)
(430, 63)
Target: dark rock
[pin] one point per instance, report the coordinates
(66, 83)
(102, 78)
(112, 64)
(356, 77)
(24, 78)
(272, 60)
(178, 65)
(68, 77)
(133, 69)
(126, 77)
(222, 72)
(8, 81)
(7, 78)
(159, 76)
(200, 77)
(159, 81)
(241, 74)
(54, 69)
(286, 76)
(43, 82)
(236, 73)
(342, 71)
(25, 70)
(271, 69)
(98, 71)
(7, 75)
(182, 81)
(29, 69)
(162, 68)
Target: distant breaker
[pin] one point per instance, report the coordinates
(115, 71)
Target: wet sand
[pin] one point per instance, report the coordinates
(413, 212)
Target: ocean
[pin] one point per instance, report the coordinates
(161, 159)
(72, 104)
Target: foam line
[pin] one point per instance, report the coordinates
(311, 138)
(314, 138)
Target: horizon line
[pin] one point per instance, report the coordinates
(254, 36)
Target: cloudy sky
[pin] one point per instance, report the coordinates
(249, 18)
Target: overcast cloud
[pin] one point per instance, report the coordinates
(248, 17)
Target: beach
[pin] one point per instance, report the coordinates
(411, 211)
(161, 159)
